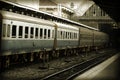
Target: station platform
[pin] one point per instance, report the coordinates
(107, 70)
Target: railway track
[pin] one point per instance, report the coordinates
(71, 72)
(57, 69)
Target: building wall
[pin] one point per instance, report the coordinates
(94, 17)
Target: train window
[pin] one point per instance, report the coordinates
(36, 33)
(71, 35)
(20, 31)
(61, 36)
(74, 35)
(77, 35)
(14, 27)
(49, 33)
(41, 32)
(8, 30)
(4, 30)
(45, 33)
(66, 35)
(31, 32)
(26, 32)
(53, 34)
(58, 34)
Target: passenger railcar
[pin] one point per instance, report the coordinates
(28, 36)
(67, 35)
(23, 34)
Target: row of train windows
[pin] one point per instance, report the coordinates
(67, 35)
(31, 32)
(26, 32)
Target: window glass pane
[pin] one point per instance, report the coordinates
(66, 35)
(61, 34)
(14, 31)
(20, 31)
(26, 32)
(4, 30)
(45, 32)
(31, 32)
(8, 31)
(53, 34)
(41, 33)
(36, 33)
(49, 33)
(70, 35)
(74, 36)
(58, 34)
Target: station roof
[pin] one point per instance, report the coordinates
(111, 7)
(79, 6)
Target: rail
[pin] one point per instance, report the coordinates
(71, 72)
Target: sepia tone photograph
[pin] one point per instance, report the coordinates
(59, 39)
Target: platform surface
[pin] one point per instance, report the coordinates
(107, 70)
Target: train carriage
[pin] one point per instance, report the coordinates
(67, 35)
(25, 34)
(86, 37)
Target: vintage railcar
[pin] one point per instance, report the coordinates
(28, 36)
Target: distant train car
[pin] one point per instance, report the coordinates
(86, 37)
(67, 35)
(100, 39)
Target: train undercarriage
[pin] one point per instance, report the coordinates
(43, 56)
